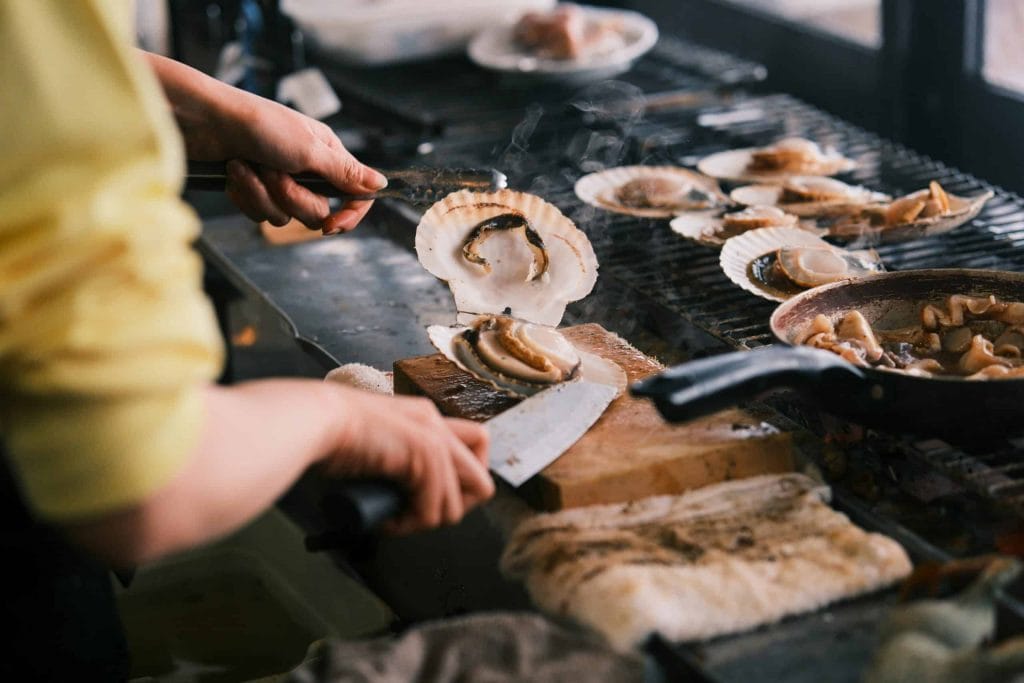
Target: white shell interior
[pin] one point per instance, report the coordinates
(734, 165)
(771, 194)
(600, 189)
(740, 251)
(506, 285)
(705, 227)
(592, 368)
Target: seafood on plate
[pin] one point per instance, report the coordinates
(714, 229)
(927, 212)
(513, 262)
(777, 263)
(650, 191)
(971, 337)
(568, 32)
(809, 196)
(776, 162)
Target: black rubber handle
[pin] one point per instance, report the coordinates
(354, 509)
(705, 386)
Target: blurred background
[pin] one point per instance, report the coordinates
(945, 77)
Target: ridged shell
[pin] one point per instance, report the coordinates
(592, 368)
(733, 165)
(740, 251)
(962, 210)
(571, 270)
(769, 195)
(600, 189)
(706, 227)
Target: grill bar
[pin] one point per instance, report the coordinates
(645, 258)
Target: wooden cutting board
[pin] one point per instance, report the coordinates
(630, 452)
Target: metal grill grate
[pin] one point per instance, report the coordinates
(645, 258)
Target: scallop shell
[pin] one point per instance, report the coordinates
(740, 251)
(593, 368)
(962, 210)
(769, 195)
(734, 165)
(600, 189)
(507, 283)
(705, 227)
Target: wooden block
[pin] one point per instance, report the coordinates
(630, 452)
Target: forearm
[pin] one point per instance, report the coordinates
(257, 440)
(203, 107)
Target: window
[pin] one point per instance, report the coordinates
(1004, 43)
(855, 20)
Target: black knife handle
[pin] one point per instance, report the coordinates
(354, 509)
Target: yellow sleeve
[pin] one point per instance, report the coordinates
(106, 337)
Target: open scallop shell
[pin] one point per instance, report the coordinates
(601, 189)
(592, 368)
(734, 165)
(530, 273)
(707, 227)
(743, 250)
(864, 227)
(854, 198)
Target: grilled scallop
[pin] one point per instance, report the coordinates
(520, 358)
(649, 191)
(506, 252)
(814, 266)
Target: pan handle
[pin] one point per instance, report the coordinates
(704, 386)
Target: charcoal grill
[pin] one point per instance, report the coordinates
(686, 101)
(669, 296)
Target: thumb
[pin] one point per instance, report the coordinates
(347, 173)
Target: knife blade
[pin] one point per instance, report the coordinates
(531, 435)
(414, 185)
(525, 439)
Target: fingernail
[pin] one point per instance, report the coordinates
(374, 179)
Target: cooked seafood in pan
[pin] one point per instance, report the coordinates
(972, 337)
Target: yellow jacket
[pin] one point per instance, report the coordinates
(105, 334)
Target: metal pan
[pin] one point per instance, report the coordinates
(952, 408)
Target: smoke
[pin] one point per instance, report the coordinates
(513, 160)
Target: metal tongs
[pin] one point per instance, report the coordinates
(414, 185)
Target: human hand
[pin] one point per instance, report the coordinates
(264, 143)
(267, 142)
(441, 462)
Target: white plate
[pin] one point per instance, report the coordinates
(496, 49)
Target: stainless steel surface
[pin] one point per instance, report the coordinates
(531, 435)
